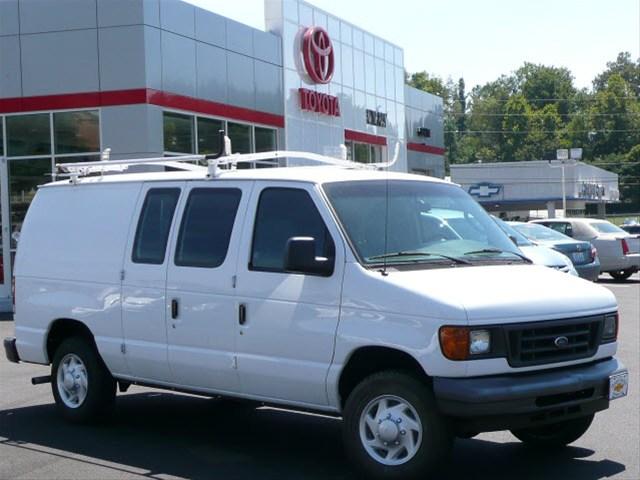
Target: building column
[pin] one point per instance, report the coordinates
(602, 210)
(551, 209)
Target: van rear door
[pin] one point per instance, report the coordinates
(144, 282)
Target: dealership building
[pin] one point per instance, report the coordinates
(162, 77)
(514, 189)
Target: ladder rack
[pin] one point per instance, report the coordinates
(215, 166)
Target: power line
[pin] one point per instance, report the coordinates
(526, 132)
(533, 114)
(587, 99)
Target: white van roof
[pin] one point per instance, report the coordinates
(309, 174)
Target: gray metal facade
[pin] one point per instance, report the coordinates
(76, 46)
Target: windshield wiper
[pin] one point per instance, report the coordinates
(414, 253)
(497, 250)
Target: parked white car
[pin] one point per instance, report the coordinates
(618, 251)
(322, 288)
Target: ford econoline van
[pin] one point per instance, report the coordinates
(391, 300)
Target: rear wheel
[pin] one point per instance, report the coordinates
(83, 388)
(621, 275)
(392, 428)
(554, 435)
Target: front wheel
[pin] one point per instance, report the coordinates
(83, 388)
(554, 435)
(621, 275)
(392, 428)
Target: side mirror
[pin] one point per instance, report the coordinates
(513, 239)
(300, 257)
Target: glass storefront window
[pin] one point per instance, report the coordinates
(361, 152)
(208, 135)
(76, 132)
(24, 178)
(1, 138)
(178, 133)
(240, 136)
(28, 135)
(265, 139)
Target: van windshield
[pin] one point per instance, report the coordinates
(405, 221)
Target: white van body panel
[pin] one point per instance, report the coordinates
(69, 268)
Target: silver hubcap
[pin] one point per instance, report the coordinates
(72, 381)
(390, 430)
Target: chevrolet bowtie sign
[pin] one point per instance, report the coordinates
(484, 190)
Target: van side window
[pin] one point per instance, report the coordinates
(154, 224)
(206, 227)
(284, 213)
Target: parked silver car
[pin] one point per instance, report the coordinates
(538, 254)
(619, 251)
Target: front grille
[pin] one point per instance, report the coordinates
(555, 341)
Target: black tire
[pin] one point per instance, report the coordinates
(101, 386)
(556, 434)
(437, 436)
(621, 275)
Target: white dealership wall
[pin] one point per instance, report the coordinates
(369, 74)
(536, 185)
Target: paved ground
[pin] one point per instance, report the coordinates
(163, 435)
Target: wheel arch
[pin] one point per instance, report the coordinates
(63, 328)
(367, 360)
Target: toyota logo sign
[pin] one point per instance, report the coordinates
(317, 53)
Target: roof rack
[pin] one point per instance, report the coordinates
(216, 163)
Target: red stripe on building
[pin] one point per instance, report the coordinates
(182, 102)
(421, 147)
(362, 137)
(137, 96)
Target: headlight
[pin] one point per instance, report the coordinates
(459, 343)
(480, 342)
(610, 330)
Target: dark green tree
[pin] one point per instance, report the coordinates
(624, 66)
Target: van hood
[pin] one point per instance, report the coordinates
(483, 294)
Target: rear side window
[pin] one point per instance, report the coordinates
(562, 227)
(206, 227)
(154, 224)
(284, 213)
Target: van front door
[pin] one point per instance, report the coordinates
(287, 321)
(144, 282)
(200, 286)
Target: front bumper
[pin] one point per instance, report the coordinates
(10, 349)
(518, 400)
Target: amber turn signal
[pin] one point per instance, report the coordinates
(454, 342)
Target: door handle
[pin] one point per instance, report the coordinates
(242, 314)
(174, 308)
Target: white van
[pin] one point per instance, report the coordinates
(389, 299)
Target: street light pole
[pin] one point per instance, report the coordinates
(563, 155)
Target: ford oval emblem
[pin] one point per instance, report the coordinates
(561, 342)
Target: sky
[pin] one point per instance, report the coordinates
(483, 39)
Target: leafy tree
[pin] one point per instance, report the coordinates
(615, 117)
(460, 108)
(515, 126)
(542, 85)
(624, 66)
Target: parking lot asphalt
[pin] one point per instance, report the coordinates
(156, 434)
